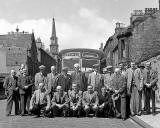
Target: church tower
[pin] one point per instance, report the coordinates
(54, 40)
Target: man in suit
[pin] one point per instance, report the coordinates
(118, 85)
(75, 98)
(79, 78)
(134, 88)
(108, 76)
(90, 101)
(60, 102)
(150, 83)
(25, 90)
(40, 101)
(105, 107)
(40, 77)
(52, 81)
(11, 91)
(96, 79)
(64, 80)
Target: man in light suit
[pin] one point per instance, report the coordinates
(79, 78)
(40, 101)
(52, 81)
(40, 77)
(60, 102)
(90, 101)
(96, 79)
(11, 91)
(75, 98)
(134, 88)
(150, 84)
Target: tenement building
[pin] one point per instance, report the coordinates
(137, 42)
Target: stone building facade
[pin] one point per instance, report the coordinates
(137, 42)
(18, 48)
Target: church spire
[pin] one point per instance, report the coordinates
(54, 40)
(53, 35)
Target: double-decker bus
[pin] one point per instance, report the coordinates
(85, 57)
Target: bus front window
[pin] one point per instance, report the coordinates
(69, 62)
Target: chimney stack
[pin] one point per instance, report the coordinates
(101, 47)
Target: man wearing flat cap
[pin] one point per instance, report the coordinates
(64, 80)
(96, 79)
(79, 78)
(40, 77)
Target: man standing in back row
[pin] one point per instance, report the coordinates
(40, 77)
(52, 81)
(150, 84)
(11, 91)
(25, 90)
(134, 88)
(78, 77)
(96, 79)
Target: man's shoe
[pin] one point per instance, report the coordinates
(139, 114)
(133, 114)
(118, 115)
(8, 114)
(123, 119)
(153, 113)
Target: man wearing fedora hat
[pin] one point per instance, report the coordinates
(40, 77)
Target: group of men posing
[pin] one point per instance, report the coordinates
(118, 94)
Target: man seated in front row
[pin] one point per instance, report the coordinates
(105, 107)
(90, 101)
(40, 101)
(75, 97)
(59, 103)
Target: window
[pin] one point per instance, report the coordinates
(123, 49)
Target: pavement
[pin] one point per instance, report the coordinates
(152, 120)
(59, 122)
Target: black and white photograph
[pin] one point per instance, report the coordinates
(79, 63)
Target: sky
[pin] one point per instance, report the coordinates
(79, 23)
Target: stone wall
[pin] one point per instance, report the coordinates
(145, 39)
